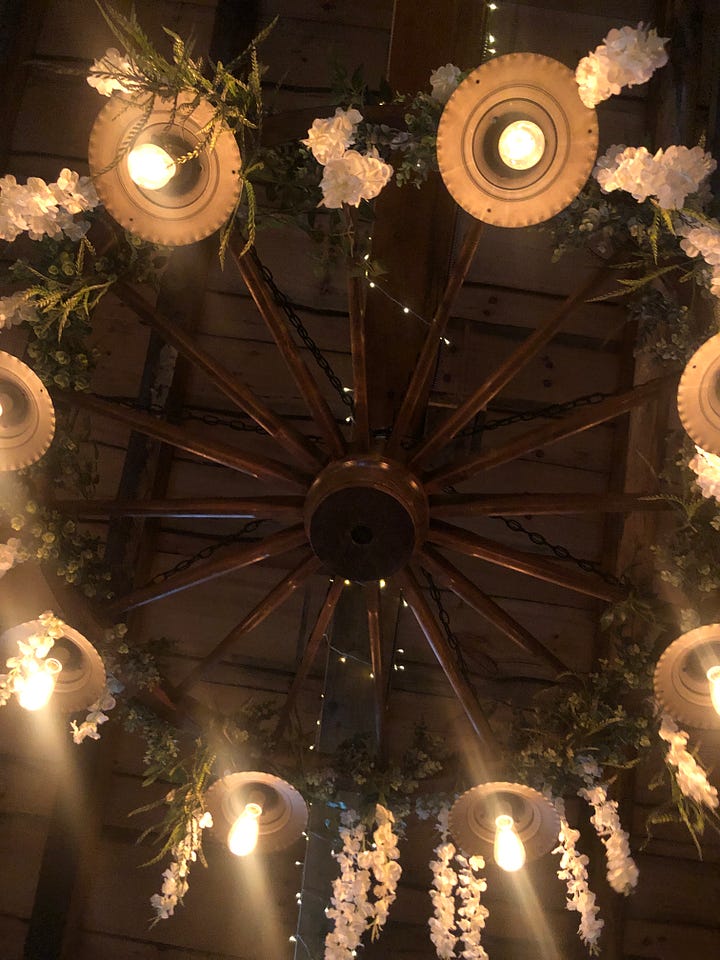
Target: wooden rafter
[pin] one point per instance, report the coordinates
(444, 506)
(285, 509)
(372, 600)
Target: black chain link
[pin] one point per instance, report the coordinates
(296, 323)
(240, 536)
(488, 664)
(551, 412)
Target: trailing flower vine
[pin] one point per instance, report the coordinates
(573, 870)
(690, 776)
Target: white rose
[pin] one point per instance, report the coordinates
(444, 81)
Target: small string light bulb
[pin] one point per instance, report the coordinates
(713, 676)
(150, 167)
(243, 836)
(508, 849)
(36, 684)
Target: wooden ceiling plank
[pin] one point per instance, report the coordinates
(233, 559)
(451, 577)
(443, 506)
(294, 442)
(464, 541)
(582, 419)
(504, 373)
(262, 468)
(271, 314)
(277, 596)
(408, 583)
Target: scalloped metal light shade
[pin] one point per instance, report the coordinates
(472, 818)
(681, 685)
(82, 678)
(699, 396)
(27, 423)
(519, 86)
(284, 815)
(196, 202)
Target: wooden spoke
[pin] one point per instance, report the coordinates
(277, 596)
(275, 322)
(372, 600)
(232, 559)
(452, 578)
(286, 509)
(503, 374)
(262, 468)
(408, 583)
(358, 348)
(416, 394)
(472, 544)
(542, 436)
(313, 645)
(292, 440)
(444, 506)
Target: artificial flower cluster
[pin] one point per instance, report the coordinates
(43, 209)
(458, 914)
(703, 240)
(668, 175)
(32, 655)
(626, 57)
(444, 82)
(17, 309)
(112, 72)
(706, 467)
(622, 872)
(349, 176)
(10, 554)
(352, 911)
(573, 870)
(95, 716)
(175, 877)
(689, 775)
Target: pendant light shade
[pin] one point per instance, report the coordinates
(682, 686)
(699, 396)
(27, 417)
(282, 814)
(515, 143)
(145, 190)
(474, 819)
(81, 677)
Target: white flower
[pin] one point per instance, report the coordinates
(573, 869)
(703, 240)
(16, 309)
(707, 474)
(444, 81)
(669, 175)
(10, 551)
(690, 776)
(622, 872)
(352, 178)
(95, 716)
(626, 58)
(175, 883)
(45, 210)
(329, 139)
(112, 63)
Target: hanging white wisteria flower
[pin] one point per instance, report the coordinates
(706, 467)
(10, 554)
(175, 877)
(458, 914)
(573, 870)
(95, 716)
(622, 872)
(703, 240)
(352, 910)
(626, 57)
(444, 82)
(690, 776)
(111, 72)
(329, 139)
(42, 209)
(31, 674)
(668, 175)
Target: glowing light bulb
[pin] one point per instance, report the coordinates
(150, 166)
(521, 145)
(243, 836)
(508, 850)
(713, 676)
(36, 686)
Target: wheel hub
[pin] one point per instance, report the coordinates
(365, 516)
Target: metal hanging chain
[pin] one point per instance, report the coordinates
(240, 536)
(296, 323)
(551, 412)
(562, 553)
(489, 665)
